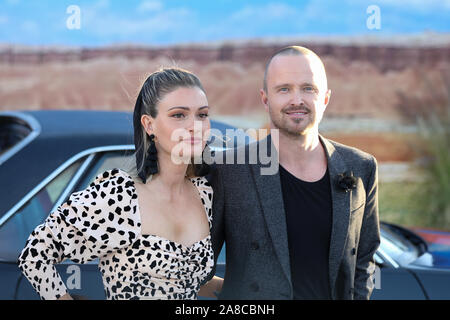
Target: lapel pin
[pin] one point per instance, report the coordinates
(346, 181)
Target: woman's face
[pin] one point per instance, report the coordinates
(181, 124)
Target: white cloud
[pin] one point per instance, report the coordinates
(101, 4)
(29, 26)
(416, 4)
(154, 22)
(150, 6)
(164, 21)
(12, 2)
(268, 11)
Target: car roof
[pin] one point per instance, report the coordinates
(78, 123)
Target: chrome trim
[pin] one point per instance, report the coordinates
(68, 189)
(376, 257)
(219, 149)
(387, 258)
(35, 131)
(52, 175)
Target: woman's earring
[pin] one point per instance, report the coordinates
(151, 159)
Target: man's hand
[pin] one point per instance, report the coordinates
(211, 288)
(67, 296)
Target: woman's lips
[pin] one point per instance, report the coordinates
(193, 140)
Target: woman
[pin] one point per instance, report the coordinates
(127, 223)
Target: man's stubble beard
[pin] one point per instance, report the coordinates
(282, 123)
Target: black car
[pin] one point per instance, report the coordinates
(47, 155)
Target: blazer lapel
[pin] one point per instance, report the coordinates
(271, 199)
(341, 211)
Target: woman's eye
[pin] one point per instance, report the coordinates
(178, 115)
(203, 115)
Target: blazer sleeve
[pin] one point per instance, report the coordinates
(92, 223)
(369, 239)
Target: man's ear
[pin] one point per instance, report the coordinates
(264, 99)
(327, 98)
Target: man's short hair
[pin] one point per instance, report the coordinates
(287, 51)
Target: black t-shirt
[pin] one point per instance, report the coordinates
(308, 210)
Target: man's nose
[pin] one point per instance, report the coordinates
(296, 98)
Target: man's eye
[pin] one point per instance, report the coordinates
(178, 115)
(283, 89)
(309, 89)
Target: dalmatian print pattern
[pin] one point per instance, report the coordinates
(103, 221)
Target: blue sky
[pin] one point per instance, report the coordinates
(157, 22)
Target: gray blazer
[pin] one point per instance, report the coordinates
(248, 214)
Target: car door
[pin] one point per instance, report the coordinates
(397, 284)
(17, 224)
(74, 175)
(392, 281)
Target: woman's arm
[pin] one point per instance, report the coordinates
(49, 244)
(45, 247)
(212, 288)
(83, 228)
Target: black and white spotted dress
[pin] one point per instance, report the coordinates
(103, 221)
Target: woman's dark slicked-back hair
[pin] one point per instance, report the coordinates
(155, 87)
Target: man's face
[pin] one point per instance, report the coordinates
(297, 93)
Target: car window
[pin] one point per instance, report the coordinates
(12, 131)
(106, 161)
(397, 247)
(16, 230)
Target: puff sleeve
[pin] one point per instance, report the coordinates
(93, 222)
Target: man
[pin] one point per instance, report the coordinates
(310, 230)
